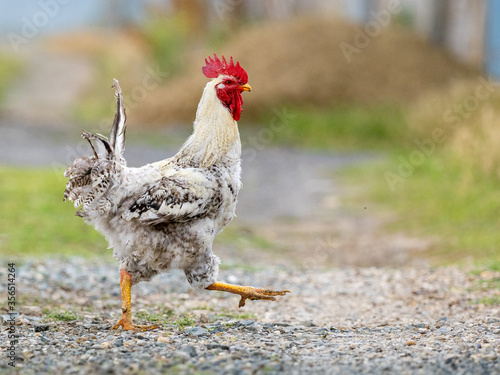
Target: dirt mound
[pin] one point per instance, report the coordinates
(301, 63)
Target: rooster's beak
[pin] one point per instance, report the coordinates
(245, 87)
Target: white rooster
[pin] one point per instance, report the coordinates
(166, 215)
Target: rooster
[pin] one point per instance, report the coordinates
(165, 215)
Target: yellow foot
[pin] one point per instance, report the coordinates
(252, 293)
(127, 325)
(247, 292)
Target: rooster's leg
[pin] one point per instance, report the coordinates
(126, 320)
(247, 292)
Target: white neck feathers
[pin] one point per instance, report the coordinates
(215, 135)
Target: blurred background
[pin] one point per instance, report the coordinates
(371, 135)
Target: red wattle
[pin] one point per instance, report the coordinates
(232, 100)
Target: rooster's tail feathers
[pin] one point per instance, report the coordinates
(103, 144)
(118, 129)
(90, 176)
(112, 148)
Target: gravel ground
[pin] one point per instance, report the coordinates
(347, 320)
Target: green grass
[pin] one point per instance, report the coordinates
(490, 301)
(341, 128)
(65, 316)
(163, 318)
(459, 212)
(166, 317)
(493, 283)
(184, 321)
(36, 222)
(10, 68)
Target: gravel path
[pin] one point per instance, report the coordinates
(356, 321)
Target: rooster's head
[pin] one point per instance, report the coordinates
(232, 80)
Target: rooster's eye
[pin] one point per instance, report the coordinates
(228, 82)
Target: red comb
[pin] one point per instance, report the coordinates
(216, 67)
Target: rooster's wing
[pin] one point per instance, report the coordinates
(186, 195)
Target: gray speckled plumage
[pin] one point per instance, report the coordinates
(163, 215)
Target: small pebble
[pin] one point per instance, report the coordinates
(197, 331)
(204, 318)
(163, 339)
(41, 327)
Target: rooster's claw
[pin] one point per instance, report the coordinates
(127, 325)
(252, 293)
